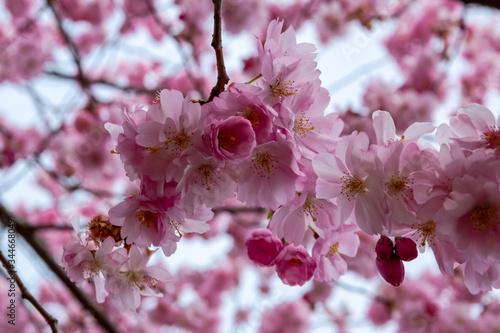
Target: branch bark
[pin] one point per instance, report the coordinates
(25, 294)
(222, 77)
(25, 229)
(488, 3)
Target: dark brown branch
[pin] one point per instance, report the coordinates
(488, 3)
(25, 294)
(222, 77)
(136, 89)
(25, 230)
(40, 227)
(239, 210)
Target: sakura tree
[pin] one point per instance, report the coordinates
(132, 131)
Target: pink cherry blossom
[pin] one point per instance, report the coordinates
(268, 178)
(286, 317)
(263, 247)
(328, 253)
(305, 211)
(231, 139)
(294, 265)
(143, 221)
(135, 279)
(205, 181)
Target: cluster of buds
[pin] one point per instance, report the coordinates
(390, 257)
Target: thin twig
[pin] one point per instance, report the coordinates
(166, 30)
(71, 45)
(25, 294)
(222, 77)
(23, 228)
(74, 187)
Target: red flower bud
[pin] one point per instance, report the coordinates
(392, 270)
(384, 248)
(406, 249)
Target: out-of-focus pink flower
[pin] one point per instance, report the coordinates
(294, 265)
(263, 247)
(286, 317)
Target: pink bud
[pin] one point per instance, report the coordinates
(294, 265)
(263, 247)
(406, 249)
(384, 248)
(392, 270)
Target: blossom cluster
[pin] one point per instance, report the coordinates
(268, 143)
(254, 142)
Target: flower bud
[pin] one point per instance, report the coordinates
(384, 248)
(263, 247)
(392, 270)
(406, 249)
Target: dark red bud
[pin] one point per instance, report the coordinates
(392, 270)
(406, 249)
(384, 248)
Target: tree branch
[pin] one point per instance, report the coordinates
(488, 3)
(136, 89)
(25, 230)
(71, 45)
(25, 294)
(166, 30)
(222, 77)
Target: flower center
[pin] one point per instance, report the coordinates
(492, 138)
(134, 279)
(206, 172)
(178, 142)
(226, 140)
(146, 218)
(282, 89)
(333, 249)
(352, 186)
(303, 125)
(264, 162)
(310, 208)
(483, 217)
(295, 262)
(397, 185)
(250, 115)
(425, 231)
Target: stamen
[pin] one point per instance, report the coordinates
(425, 231)
(353, 185)
(333, 249)
(483, 217)
(146, 218)
(303, 125)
